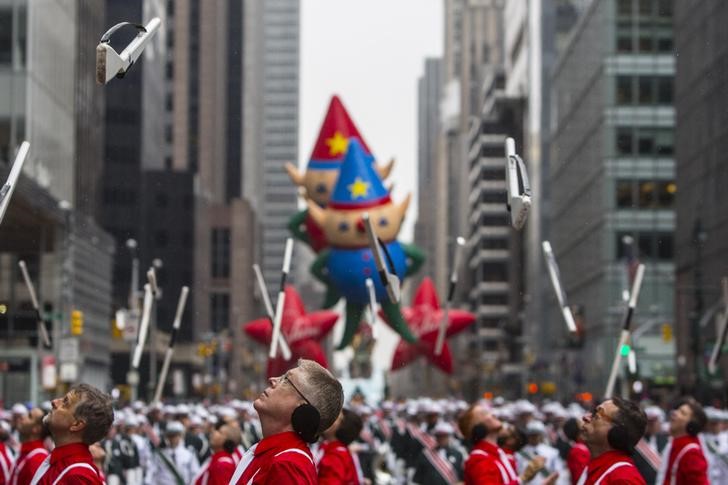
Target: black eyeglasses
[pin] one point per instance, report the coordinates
(285, 379)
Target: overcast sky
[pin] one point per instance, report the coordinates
(371, 54)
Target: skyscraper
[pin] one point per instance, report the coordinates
(701, 241)
(49, 98)
(612, 180)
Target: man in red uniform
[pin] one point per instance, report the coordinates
(337, 465)
(80, 418)
(294, 409)
(219, 468)
(610, 432)
(683, 459)
(32, 452)
(487, 462)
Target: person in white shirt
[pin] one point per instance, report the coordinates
(536, 446)
(172, 464)
(715, 451)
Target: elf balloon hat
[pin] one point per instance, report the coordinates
(333, 138)
(359, 186)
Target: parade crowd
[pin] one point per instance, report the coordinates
(299, 430)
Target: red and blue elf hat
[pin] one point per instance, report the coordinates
(358, 186)
(336, 130)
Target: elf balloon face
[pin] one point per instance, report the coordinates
(317, 184)
(345, 228)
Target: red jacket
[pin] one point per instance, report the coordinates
(577, 460)
(217, 470)
(6, 464)
(281, 459)
(70, 464)
(488, 464)
(337, 465)
(612, 468)
(32, 454)
(686, 463)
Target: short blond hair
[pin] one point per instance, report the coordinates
(323, 391)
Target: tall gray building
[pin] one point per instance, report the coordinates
(277, 200)
(429, 93)
(612, 179)
(701, 237)
(48, 97)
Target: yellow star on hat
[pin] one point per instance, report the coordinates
(337, 144)
(359, 188)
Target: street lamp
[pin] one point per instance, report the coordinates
(133, 304)
(699, 239)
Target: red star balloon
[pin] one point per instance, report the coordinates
(303, 332)
(424, 318)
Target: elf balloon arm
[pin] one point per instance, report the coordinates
(415, 258)
(295, 224)
(109, 63)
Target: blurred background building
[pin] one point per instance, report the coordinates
(701, 242)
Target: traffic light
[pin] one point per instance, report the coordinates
(625, 350)
(76, 322)
(666, 332)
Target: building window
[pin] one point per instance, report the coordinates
(169, 70)
(649, 90)
(630, 140)
(219, 311)
(645, 194)
(220, 253)
(494, 272)
(652, 245)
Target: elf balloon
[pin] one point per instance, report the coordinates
(317, 182)
(348, 261)
(302, 331)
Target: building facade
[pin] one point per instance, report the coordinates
(47, 98)
(701, 242)
(612, 179)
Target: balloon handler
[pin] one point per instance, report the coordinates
(348, 261)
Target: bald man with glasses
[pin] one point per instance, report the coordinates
(293, 410)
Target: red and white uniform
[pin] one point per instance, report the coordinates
(32, 454)
(6, 464)
(70, 464)
(337, 465)
(488, 464)
(281, 459)
(611, 468)
(217, 470)
(686, 462)
(577, 460)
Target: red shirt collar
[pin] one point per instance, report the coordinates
(219, 454)
(29, 446)
(606, 459)
(281, 441)
(72, 449)
(682, 441)
(488, 447)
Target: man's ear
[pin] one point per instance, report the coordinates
(77, 426)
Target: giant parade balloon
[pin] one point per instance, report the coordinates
(348, 261)
(424, 317)
(317, 181)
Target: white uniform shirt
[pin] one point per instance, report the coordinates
(184, 460)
